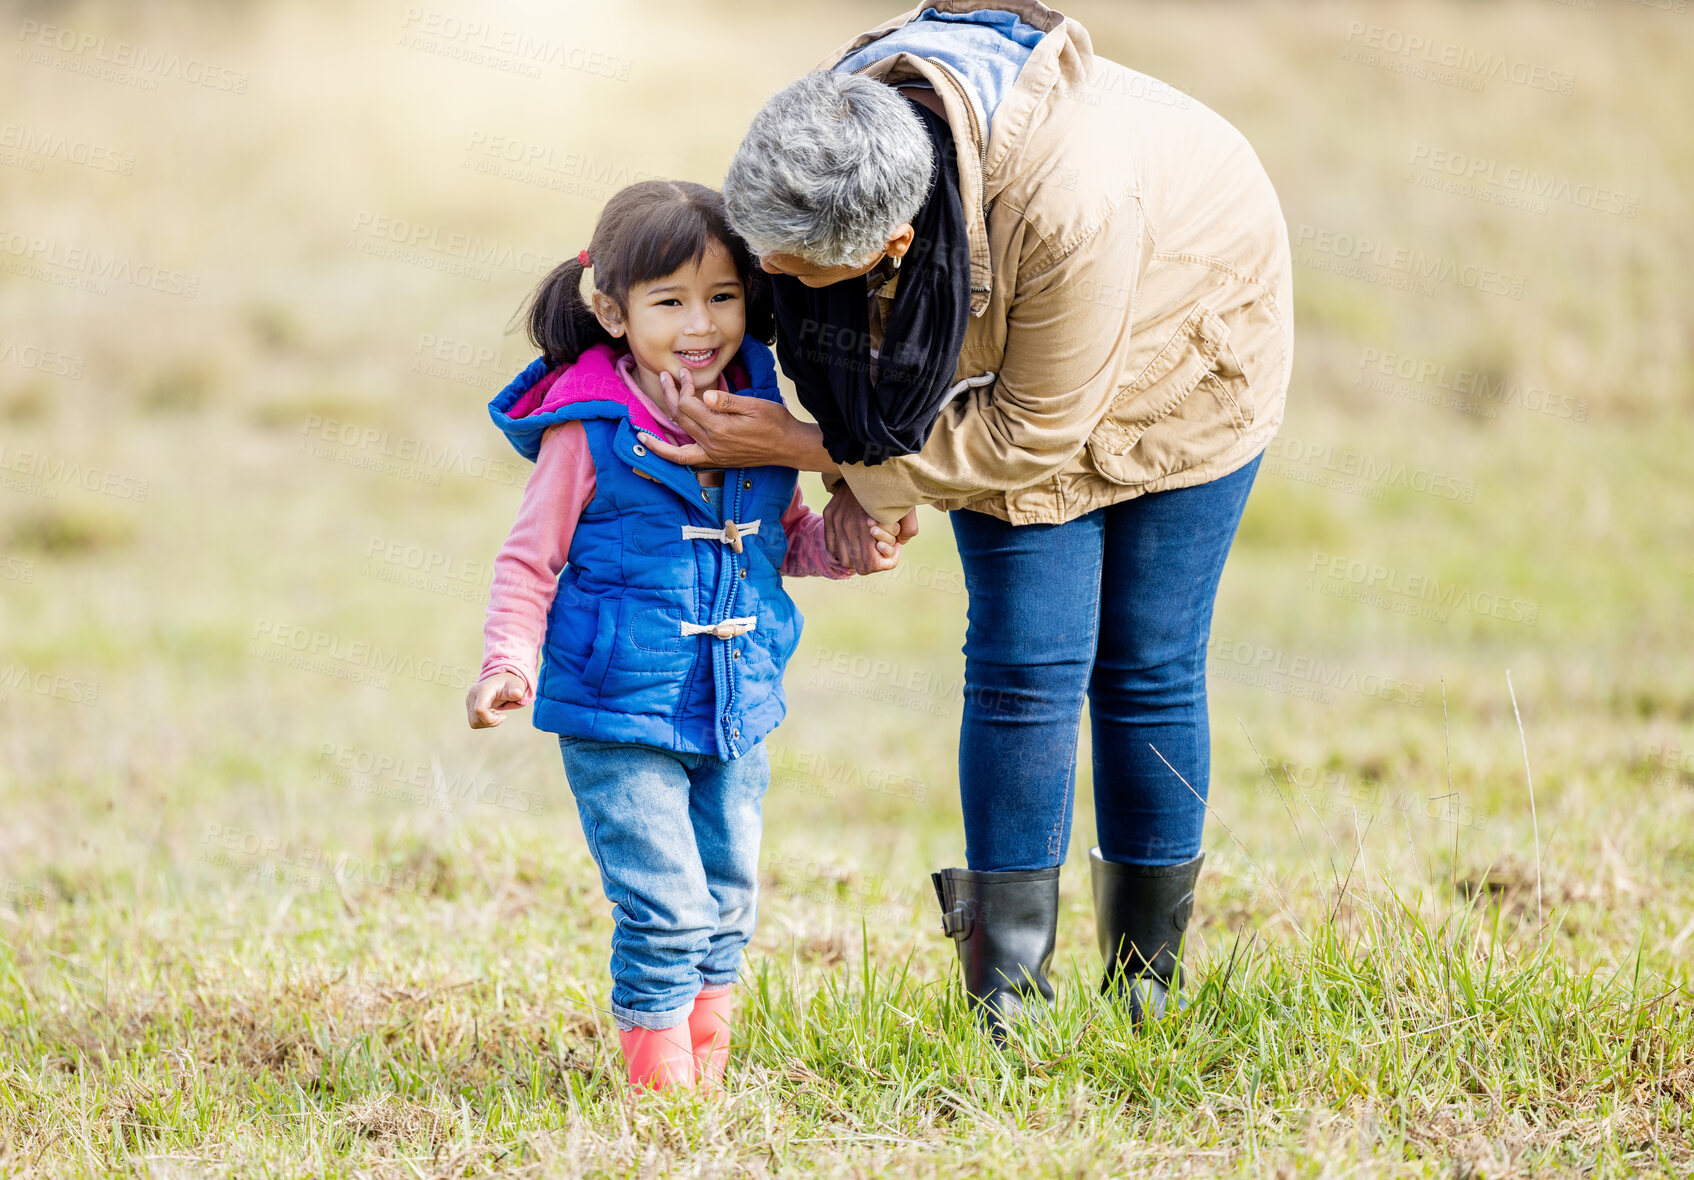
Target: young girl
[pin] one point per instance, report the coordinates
(652, 596)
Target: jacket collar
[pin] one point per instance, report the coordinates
(1065, 49)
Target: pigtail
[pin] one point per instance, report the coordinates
(561, 324)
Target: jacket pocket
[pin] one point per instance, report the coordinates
(601, 650)
(1191, 402)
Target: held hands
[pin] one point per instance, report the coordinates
(855, 538)
(501, 690)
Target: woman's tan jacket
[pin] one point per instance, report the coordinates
(1132, 308)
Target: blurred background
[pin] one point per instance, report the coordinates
(259, 266)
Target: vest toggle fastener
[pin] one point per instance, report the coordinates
(728, 629)
(730, 534)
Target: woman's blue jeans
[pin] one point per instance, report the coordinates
(676, 837)
(1115, 606)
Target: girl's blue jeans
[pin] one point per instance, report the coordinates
(676, 838)
(1114, 606)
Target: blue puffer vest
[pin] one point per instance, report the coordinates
(669, 628)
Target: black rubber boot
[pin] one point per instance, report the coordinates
(1004, 924)
(1140, 912)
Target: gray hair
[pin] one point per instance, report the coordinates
(830, 168)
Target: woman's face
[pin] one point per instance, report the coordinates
(823, 276)
(812, 275)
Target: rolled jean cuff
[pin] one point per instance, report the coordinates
(718, 978)
(629, 1018)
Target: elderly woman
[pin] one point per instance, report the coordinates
(1050, 296)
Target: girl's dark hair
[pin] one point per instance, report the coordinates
(645, 232)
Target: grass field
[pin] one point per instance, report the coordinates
(268, 907)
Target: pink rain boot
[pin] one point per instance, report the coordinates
(708, 1027)
(659, 1057)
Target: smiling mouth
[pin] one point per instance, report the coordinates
(697, 358)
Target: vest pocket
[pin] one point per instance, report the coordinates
(657, 631)
(605, 642)
(775, 639)
(656, 534)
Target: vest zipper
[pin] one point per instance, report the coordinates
(731, 500)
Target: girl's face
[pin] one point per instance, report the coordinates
(691, 320)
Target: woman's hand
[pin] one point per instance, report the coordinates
(497, 691)
(734, 430)
(855, 539)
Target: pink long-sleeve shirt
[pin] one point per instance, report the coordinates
(526, 571)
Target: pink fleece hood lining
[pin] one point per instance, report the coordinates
(593, 378)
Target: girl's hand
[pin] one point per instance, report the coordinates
(855, 539)
(734, 430)
(676, 394)
(500, 690)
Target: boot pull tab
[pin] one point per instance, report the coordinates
(957, 917)
(1183, 910)
(958, 922)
